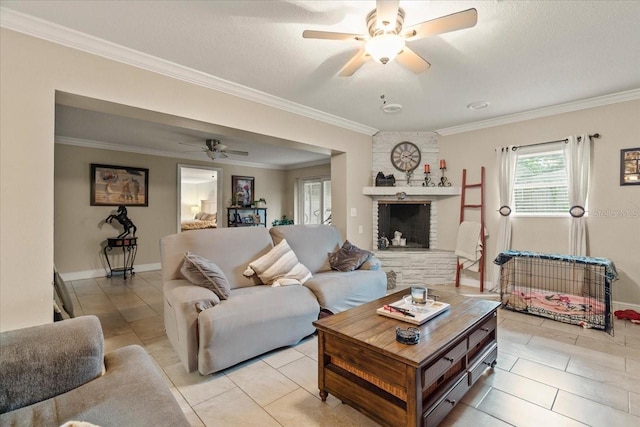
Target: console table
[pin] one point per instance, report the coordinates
(129, 246)
(362, 364)
(246, 217)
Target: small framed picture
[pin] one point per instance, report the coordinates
(630, 166)
(119, 185)
(247, 220)
(242, 188)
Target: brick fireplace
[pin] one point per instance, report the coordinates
(411, 209)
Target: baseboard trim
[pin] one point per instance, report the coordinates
(488, 286)
(92, 274)
(619, 305)
(475, 283)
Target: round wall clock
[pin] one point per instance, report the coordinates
(405, 156)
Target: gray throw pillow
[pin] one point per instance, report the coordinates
(203, 272)
(348, 258)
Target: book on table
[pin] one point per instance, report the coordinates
(412, 314)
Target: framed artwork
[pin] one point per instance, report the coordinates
(119, 185)
(630, 166)
(242, 188)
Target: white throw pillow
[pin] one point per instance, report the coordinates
(279, 267)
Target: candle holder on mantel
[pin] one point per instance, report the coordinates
(444, 182)
(427, 180)
(409, 175)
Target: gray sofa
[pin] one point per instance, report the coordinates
(53, 373)
(210, 335)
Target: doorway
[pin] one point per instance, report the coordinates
(199, 195)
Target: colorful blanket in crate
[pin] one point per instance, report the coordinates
(573, 309)
(560, 303)
(610, 269)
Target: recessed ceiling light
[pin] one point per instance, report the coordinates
(391, 108)
(480, 105)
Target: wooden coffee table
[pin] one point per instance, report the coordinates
(361, 363)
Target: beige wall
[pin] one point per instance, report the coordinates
(79, 229)
(31, 70)
(613, 225)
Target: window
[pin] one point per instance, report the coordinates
(315, 200)
(540, 186)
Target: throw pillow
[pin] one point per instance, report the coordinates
(203, 272)
(348, 258)
(279, 267)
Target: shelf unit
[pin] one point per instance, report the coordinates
(239, 217)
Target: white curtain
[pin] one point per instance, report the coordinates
(506, 162)
(577, 157)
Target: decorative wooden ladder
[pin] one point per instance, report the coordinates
(463, 207)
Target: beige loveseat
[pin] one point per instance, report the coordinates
(210, 334)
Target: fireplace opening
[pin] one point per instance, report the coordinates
(410, 218)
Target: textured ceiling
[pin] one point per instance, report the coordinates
(521, 55)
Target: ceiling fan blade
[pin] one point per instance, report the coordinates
(236, 152)
(412, 61)
(445, 24)
(354, 63)
(386, 13)
(219, 147)
(327, 35)
(191, 145)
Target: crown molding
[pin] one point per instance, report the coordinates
(100, 145)
(55, 33)
(599, 101)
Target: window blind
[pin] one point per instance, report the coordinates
(540, 187)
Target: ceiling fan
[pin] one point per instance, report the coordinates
(215, 149)
(387, 39)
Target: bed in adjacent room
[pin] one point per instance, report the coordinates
(200, 221)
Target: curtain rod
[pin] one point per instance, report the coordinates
(515, 147)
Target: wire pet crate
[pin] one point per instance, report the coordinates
(569, 289)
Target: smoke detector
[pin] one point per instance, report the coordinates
(391, 108)
(479, 105)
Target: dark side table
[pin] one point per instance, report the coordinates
(129, 246)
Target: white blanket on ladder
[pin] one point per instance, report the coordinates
(469, 245)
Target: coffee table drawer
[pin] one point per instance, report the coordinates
(483, 330)
(448, 402)
(442, 365)
(487, 361)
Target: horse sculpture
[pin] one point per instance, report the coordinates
(123, 219)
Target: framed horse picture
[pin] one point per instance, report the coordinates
(119, 186)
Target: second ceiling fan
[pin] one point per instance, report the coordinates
(215, 149)
(387, 39)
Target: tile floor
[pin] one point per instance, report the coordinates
(548, 373)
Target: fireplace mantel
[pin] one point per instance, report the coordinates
(411, 191)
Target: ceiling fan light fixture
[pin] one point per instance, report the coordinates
(215, 155)
(384, 47)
